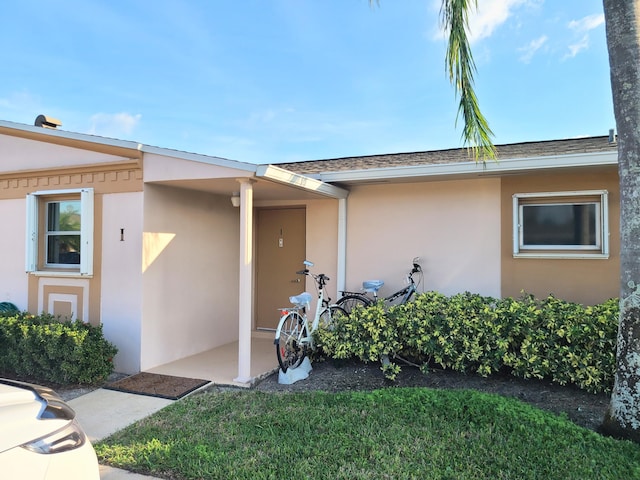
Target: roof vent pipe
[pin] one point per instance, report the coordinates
(612, 136)
(47, 122)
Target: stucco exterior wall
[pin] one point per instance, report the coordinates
(116, 177)
(322, 241)
(121, 300)
(35, 155)
(578, 280)
(453, 226)
(190, 273)
(13, 279)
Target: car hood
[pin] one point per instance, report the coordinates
(28, 412)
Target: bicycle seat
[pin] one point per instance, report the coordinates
(301, 300)
(372, 285)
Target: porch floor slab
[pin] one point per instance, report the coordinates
(220, 365)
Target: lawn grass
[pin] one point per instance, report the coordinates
(395, 433)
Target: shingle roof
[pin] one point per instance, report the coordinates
(457, 155)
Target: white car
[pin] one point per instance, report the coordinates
(40, 438)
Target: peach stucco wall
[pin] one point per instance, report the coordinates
(578, 280)
(453, 226)
(121, 285)
(322, 241)
(13, 279)
(190, 274)
(31, 155)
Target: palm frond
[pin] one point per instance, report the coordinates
(476, 134)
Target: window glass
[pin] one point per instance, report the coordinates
(64, 222)
(560, 225)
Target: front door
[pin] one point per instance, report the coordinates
(280, 252)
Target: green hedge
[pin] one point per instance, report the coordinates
(46, 348)
(565, 342)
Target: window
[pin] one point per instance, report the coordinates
(60, 231)
(561, 224)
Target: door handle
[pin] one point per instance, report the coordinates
(297, 280)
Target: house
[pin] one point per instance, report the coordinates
(176, 253)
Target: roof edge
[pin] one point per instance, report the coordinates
(474, 168)
(201, 158)
(64, 134)
(303, 182)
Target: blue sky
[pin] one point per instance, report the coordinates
(267, 81)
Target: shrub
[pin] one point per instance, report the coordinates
(561, 341)
(46, 348)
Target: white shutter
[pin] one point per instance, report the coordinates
(86, 232)
(31, 236)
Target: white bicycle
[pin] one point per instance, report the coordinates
(294, 335)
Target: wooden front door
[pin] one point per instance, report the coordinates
(281, 244)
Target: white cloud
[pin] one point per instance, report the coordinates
(587, 23)
(114, 125)
(578, 46)
(530, 50)
(490, 15)
(581, 28)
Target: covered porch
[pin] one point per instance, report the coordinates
(218, 260)
(220, 365)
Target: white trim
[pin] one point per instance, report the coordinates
(564, 256)
(601, 249)
(474, 168)
(112, 142)
(31, 235)
(59, 274)
(570, 193)
(598, 228)
(245, 287)
(86, 232)
(342, 245)
(135, 147)
(303, 182)
(68, 191)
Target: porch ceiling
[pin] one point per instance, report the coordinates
(263, 190)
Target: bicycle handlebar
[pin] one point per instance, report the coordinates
(320, 277)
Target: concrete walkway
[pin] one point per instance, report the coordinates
(103, 412)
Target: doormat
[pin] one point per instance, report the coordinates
(156, 385)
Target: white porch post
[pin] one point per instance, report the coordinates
(245, 290)
(342, 244)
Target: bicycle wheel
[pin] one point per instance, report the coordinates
(328, 314)
(349, 302)
(291, 337)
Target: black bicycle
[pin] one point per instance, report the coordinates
(369, 294)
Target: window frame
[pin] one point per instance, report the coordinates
(599, 198)
(35, 258)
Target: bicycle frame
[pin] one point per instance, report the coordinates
(373, 286)
(322, 303)
(406, 293)
(294, 335)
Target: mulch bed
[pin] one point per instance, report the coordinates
(156, 385)
(583, 408)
